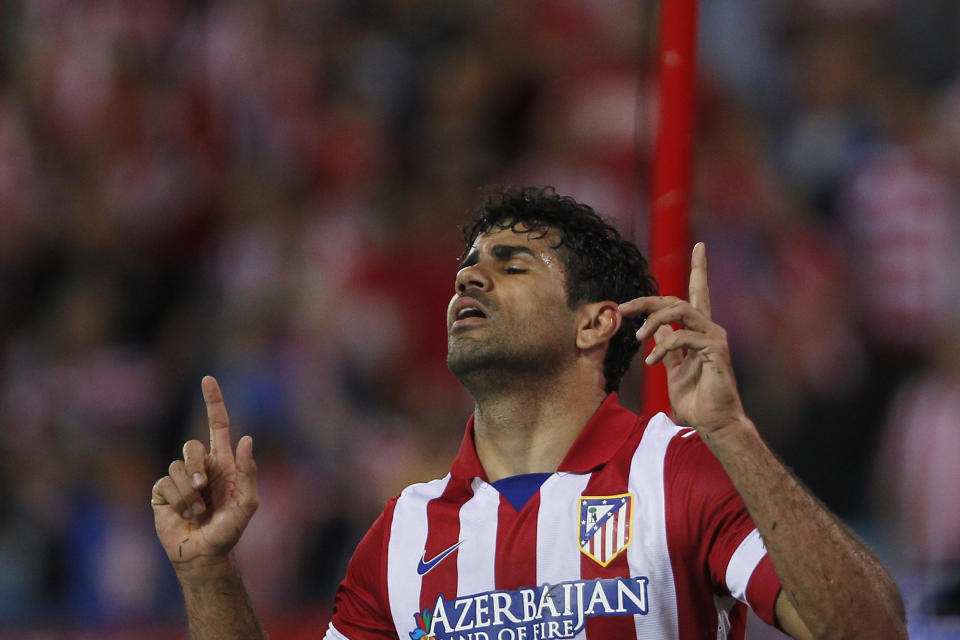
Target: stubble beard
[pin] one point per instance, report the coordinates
(495, 364)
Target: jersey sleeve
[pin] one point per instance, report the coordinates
(705, 509)
(361, 608)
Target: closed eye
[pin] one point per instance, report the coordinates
(513, 270)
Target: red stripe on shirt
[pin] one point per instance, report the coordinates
(517, 544)
(443, 531)
(613, 481)
(361, 606)
(706, 521)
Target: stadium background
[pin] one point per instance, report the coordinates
(269, 191)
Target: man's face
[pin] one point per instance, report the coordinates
(510, 311)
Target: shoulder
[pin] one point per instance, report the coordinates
(681, 447)
(660, 427)
(423, 490)
(413, 497)
(659, 439)
(692, 478)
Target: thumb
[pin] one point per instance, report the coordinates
(247, 469)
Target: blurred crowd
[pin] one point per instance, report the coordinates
(269, 191)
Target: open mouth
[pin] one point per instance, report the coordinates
(467, 311)
(470, 312)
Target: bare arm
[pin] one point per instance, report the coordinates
(217, 603)
(200, 510)
(833, 586)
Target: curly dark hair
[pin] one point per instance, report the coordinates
(599, 264)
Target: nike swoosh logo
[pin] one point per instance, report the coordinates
(424, 567)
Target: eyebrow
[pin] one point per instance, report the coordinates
(502, 252)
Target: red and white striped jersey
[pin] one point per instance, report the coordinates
(638, 535)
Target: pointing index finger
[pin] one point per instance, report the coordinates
(699, 290)
(216, 416)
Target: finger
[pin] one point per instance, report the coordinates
(672, 357)
(165, 492)
(194, 458)
(646, 304)
(247, 476)
(699, 290)
(680, 312)
(217, 417)
(676, 341)
(156, 493)
(178, 473)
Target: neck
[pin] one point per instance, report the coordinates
(530, 428)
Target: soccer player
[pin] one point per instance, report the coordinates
(564, 515)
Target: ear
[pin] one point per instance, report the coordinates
(597, 323)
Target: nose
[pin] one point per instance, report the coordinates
(472, 277)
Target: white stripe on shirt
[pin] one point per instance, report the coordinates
(558, 556)
(408, 531)
(646, 484)
(477, 555)
(333, 634)
(742, 563)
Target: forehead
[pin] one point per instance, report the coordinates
(537, 240)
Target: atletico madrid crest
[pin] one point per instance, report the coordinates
(605, 526)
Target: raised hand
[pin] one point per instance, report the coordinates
(700, 379)
(204, 504)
